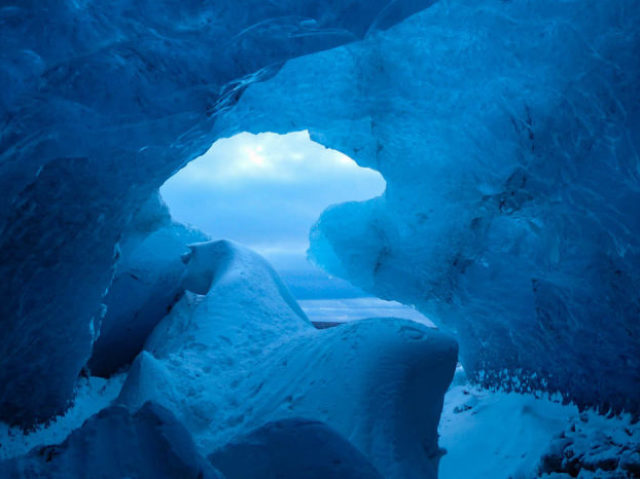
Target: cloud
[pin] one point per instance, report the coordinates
(234, 163)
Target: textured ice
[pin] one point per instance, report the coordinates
(92, 395)
(592, 447)
(508, 134)
(147, 283)
(114, 443)
(292, 449)
(99, 105)
(240, 353)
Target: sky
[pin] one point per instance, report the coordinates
(266, 191)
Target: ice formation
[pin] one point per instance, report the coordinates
(508, 134)
(147, 283)
(291, 449)
(98, 106)
(114, 443)
(240, 353)
(91, 396)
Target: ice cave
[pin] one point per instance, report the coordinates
(414, 252)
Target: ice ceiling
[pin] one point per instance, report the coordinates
(507, 132)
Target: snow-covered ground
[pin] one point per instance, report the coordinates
(495, 435)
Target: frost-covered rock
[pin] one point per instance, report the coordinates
(148, 282)
(292, 449)
(99, 105)
(241, 353)
(508, 133)
(114, 443)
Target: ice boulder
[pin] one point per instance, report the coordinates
(114, 443)
(292, 449)
(147, 283)
(241, 354)
(508, 133)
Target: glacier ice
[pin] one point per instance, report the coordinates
(98, 106)
(147, 283)
(508, 134)
(91, 396)
(115, 443)
(240, 354)
(291, 449)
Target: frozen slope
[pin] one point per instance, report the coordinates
(240, 353)
(508, 134)
(292, 449)
(92, 395)
(114, 443)
(99, 105)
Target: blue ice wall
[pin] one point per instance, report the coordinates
(508, 133)
(146, 285)
(99, 104)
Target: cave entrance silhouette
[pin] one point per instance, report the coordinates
(266, 191)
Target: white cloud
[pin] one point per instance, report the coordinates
(271, 158)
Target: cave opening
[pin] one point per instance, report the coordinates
(266, 191)
(508, 135)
